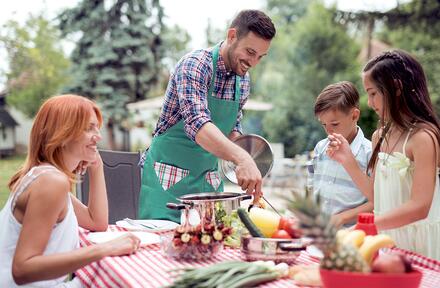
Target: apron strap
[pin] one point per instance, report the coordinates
(215, 53)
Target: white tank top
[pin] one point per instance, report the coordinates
(64, 236)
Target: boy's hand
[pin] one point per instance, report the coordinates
(339, 148)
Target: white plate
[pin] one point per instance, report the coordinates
(156, 225)
(101, 237)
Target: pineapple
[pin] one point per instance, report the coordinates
(316, 225)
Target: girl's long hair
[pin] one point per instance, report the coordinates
(397, 70)
(60, 120)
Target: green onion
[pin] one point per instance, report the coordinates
(228, 275)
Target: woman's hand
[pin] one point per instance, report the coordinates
(339, 148)
(93, 215)
(123, 245)
(93, 165)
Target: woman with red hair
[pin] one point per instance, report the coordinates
(39, 223)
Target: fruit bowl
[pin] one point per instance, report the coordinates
(193, 250)
(341, 279)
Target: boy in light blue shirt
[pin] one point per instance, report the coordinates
(337, 109)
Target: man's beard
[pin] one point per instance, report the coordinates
(230, 56)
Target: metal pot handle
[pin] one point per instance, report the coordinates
(175, 206)
(245, 196)
(289, 246)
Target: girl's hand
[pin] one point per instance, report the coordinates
(123, 245)
(337, 220)
(339, 148)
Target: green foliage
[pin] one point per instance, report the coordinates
(118, 54)
(307, 55)
(214, 35)
(176, 41)
(37, 65)
(417, 31)
(368, 120)
(8, 167)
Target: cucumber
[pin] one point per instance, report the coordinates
(244, 217)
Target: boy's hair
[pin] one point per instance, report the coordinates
(255, 21)
(341, 96)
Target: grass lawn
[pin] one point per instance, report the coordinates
(8, 166)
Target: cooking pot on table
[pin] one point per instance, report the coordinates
(207, 207)
(203, 206)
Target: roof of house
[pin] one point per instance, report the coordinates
(6, 119)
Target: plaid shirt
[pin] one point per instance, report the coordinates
(186, 95)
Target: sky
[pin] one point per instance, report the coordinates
(191, 15)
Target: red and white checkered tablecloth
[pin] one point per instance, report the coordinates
(149, 267)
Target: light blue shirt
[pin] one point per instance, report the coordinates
(330, 180)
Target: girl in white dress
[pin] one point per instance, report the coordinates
(404, 182)
(39, 223)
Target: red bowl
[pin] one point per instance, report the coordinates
(341, 279)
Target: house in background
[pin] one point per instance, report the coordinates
(8, 124)
(146, 112)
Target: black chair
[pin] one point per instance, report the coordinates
(123, 182)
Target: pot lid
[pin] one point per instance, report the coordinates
(260, 151)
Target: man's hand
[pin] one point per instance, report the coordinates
(212, 140)
(248, 176)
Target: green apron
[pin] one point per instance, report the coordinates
(174, 148)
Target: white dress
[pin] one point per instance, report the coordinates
(392, 187)
(63, 238)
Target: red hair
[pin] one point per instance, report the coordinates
(60, 120)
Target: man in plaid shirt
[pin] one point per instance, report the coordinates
(201, 115)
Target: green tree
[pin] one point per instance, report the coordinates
(412, 26)
(306, 55)
(118, 55)
(37, 64)
(420, 20)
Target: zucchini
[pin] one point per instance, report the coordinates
(253, 229)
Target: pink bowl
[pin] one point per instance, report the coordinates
(340, 279)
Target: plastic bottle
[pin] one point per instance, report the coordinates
(366, 223)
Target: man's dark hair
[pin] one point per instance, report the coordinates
(255, 21)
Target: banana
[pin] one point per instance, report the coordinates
(355, 238)
(372, 244)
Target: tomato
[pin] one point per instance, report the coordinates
(291, 226)
(293, 230)
(281, 234)
(286, 222)
(283, 221)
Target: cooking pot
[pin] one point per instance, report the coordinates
(259, 149)
(208, 207)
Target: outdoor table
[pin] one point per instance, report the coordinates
(149, 267)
